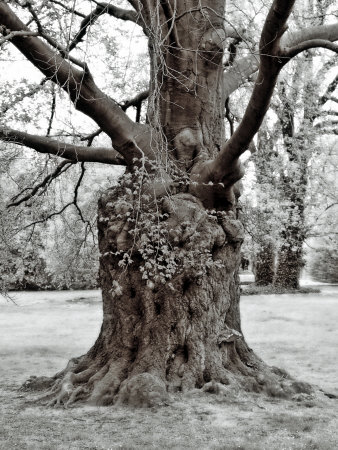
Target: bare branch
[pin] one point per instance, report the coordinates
(74, 153)
(13, 34)
(45, 219)
(306, 45)
(170, 17)
(135, 101)
(243, 68)
(90, 137)
(73, 202)
(330, 89)
(103, 8)
(52, 113)
(66, 8)
(64, 52)
(226, 165)
(61, 168)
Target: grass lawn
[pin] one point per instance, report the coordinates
(297, 332)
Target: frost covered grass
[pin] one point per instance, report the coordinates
(297, 332)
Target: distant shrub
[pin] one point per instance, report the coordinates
(253, 289)
(324, 265)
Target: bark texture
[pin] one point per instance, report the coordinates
(166, 337)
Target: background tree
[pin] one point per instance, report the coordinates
(281, 171)
(322, 235)
(169, 236)
(261, 214)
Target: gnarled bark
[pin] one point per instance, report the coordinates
(158, 336)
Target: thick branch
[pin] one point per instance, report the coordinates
(326, 32)
(130, 139)
(272, 59)
(75, 153)
(306, 45)
(243, 68)
(135, 101)
(333, 99)
(239, 73)
(225, 166)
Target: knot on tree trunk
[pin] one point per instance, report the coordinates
(212, 45)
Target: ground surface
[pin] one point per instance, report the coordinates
(297, 332)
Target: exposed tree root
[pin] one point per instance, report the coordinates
(109, 385)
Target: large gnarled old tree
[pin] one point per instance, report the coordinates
(169, 235)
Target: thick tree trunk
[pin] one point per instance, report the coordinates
(171, 319)
(264, 267)
(170, 249)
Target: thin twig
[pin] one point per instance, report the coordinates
(61, 168)
(52, 113)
